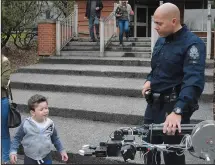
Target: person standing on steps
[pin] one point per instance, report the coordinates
(93, 13)
(122, 13)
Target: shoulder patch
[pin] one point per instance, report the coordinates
(193, 54)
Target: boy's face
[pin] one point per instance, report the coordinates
(41, 112)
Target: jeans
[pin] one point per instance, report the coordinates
(93, 21)
(123, 27)
(5, 135)
(156, 113)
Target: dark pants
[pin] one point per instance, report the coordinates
(156, 113)
(93, 21)
(47, 160)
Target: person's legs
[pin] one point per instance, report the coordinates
(126, 29)
(5, 135)
(46, 160)
(152, 157)
(173, 158)
(96, 23)
(28, 160)
(91, 28)
(121, 31)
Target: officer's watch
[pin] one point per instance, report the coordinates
(177, 111)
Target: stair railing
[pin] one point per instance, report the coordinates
(108, 30)
(66, 29)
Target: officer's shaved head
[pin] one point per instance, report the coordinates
(167, 19)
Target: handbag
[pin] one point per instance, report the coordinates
(14, 117)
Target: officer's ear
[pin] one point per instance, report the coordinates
(174, 21)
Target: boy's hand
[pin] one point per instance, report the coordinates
(13, 158)
(64, 156)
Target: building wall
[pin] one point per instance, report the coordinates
(83, 23)
(196, 19)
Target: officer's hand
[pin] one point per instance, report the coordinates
(97, 8)
(172, 122)
(146, 86)
(85, 18)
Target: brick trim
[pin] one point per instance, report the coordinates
(46, 38)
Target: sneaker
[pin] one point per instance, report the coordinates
(121, 44)
(92, 40)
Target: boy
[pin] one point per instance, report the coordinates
(37, 134)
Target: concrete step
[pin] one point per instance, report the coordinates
(123, 110)
(110, 48)
(82, 60)
(137, 44)
(116, 39)
(106, 54)
(133, 44)
(122, 61)
(96, 70)
(88, 84)
(132, 39)
(75, 133)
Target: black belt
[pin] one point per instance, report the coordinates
(161, 97)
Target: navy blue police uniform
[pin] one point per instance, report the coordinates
(177, 80)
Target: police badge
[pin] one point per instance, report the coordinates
(193, 54)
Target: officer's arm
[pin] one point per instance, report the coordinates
(194, 76)
(149, 76)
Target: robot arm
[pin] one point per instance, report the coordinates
(198, 139)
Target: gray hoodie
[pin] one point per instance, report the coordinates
(37, 143)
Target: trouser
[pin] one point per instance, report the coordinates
(93, 21)
(5, 135)
(123, 27)
(46, 160)
(156, 113)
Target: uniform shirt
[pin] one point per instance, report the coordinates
(179, 60)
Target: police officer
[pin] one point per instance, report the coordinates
(175, 82)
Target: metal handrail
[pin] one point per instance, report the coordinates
(107, 30)
(66, 29)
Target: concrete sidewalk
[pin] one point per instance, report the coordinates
(75, 133)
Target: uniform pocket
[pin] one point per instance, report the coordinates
(173, 57)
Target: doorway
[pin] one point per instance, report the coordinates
(141, 21)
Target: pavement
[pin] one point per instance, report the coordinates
(74, 133)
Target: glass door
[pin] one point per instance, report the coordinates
(141, 21)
